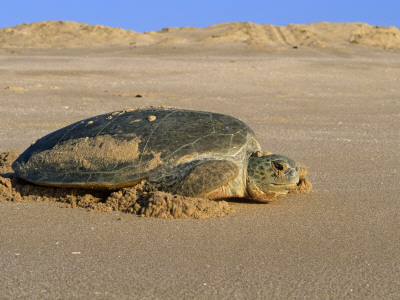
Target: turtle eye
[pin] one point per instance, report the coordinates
(278, 166)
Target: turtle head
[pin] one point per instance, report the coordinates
(270, 176)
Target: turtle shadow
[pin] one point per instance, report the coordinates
(239, 200)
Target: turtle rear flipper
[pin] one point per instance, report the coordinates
(207, 177)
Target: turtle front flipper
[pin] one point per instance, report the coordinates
(207, 177)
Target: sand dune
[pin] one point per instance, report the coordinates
(64, 34)
(318, 35)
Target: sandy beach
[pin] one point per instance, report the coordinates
(327, 95)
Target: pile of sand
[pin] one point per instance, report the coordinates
(317, 35)
(6, 159)
(139, 200)
(304, 186)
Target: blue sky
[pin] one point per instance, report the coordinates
(146, 15)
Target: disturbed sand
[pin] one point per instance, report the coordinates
(330, 101)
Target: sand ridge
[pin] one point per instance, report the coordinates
(315, 35)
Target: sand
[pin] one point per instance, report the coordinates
(324, 94)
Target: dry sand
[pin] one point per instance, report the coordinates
(324, 94)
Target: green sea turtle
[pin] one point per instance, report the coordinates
(185, 152)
